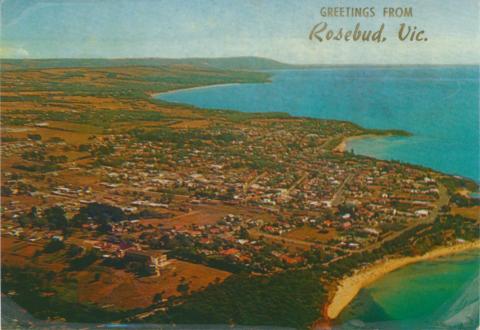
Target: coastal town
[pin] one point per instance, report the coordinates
(142, 205)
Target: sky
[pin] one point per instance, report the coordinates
(276, 29)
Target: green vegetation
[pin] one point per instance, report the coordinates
(84, 261)
(9, 139)
(394, 132)
(42, 168)
(238, 117)
(410, 242)
(463, 201)
(226, 63)
(39, 293)
(180, 138)
(54, 245)
(34, 137)
(289, 299)
(99, 118)
(454, 183)
(130, 81)
(56, 217)
(101, 214)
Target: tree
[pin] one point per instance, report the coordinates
(34, 137)
(84, 147)
(183, 288)
(84, 261)
(244, 233)
(56, 217)
(24, 220)
(33, 212)
(6, 191)
(53, 245)
(102, 213)
(158, 297)
(167, 198)
(73, 251)
(137, 267)
(58, 159)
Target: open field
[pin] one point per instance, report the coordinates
(311, 234)
(116, 289)
(468, 212)
(122, 290)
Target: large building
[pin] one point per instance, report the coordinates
(154, 260)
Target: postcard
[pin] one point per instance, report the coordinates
(250, 164)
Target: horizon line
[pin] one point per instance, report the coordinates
(233, 57)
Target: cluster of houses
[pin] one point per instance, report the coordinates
(229, 240)
(284, 172)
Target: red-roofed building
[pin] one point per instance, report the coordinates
(230, 252)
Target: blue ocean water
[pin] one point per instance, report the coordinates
(437, 104)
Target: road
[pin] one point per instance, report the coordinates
(441, 201)
(299, 181)
(294, 241)
(337, 197)
(255, 179)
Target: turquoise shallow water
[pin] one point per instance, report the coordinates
(438, 105)
(427, 293)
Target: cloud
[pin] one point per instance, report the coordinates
(14, 52)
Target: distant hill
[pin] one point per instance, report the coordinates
(223, 63)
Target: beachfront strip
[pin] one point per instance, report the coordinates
(141, 204)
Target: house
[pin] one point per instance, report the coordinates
(291, 260)
(371, 231)
(152, 259)
(229, 252)
(421, 213)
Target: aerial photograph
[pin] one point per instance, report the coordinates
(240, 164)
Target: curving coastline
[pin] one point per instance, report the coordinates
(191, 88)
(342, 146)
(348, 288)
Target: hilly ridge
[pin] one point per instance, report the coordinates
(223, 63)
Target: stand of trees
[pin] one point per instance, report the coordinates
(55, 217)
(288, 299)
(29, 284)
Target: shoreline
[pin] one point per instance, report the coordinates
(192, 88)
(348, 288)
(342, 146)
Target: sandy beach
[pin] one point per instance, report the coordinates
(342, 147)
(192, 88)
(349, 287)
